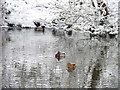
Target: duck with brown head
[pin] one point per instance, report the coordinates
(42, 28)
(59, 55)
(70, 67)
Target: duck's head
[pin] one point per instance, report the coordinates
(68, 65)
(58, 52)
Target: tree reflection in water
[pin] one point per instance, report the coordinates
(29, 60)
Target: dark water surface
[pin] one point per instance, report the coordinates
(28, 60)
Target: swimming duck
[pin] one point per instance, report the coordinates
(42, 28)
(10, 25)
(70, 67)
(69, 32)
(112, 35)
(54, 32)
(60, 55)
(19, 26)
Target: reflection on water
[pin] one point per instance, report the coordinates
(29, 60)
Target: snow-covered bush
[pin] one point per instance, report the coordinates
(83, 15)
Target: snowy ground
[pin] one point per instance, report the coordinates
(29, 60)
(27, 11)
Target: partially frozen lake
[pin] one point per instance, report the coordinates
(28, 60)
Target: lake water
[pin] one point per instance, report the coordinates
(28, 60)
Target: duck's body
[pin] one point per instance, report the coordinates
(71, 67)
(69, 32)
(40, 28)
(11, 25)
(112, 35)
(59, 55)
(54, 32)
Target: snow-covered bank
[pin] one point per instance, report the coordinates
(25, 12)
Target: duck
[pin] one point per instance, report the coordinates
(54, 32)
(19, 26)
(10, 25)
(42, 28)
(69, 32)
(71, 67)
(91, 35)
(59, 55)
(112, 35)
